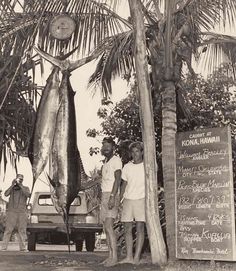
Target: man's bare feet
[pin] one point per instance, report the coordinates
(111, 262)
(127, 260)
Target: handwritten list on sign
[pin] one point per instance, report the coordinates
(205, 224)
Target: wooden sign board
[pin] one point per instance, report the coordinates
(205, 220)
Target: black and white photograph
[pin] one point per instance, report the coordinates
(117, 135)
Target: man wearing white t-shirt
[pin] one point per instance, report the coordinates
(111, 179)
(133, 189)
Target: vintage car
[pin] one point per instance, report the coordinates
(47, 226)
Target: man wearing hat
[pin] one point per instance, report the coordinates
(16, 217)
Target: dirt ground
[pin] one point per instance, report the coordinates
(58, 259)
(62, 261)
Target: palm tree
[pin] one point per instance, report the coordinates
(172, 39)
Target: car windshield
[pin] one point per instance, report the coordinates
(46, 200)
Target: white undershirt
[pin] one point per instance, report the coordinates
(108, 170)
(134, 175)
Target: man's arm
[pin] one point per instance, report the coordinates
(117, 182)
(122, 189)
(116, 185)
(8, 191)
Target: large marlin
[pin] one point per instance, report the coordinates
(44, 128)
(65, 162)
(67, 171)
(65, 130)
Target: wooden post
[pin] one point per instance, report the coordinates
(157, 244)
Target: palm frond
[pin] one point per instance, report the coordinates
(117, 59)
(17, 113)
(149, 13)
(190, 19)
(205, 14)
(94, 21)
(216, 49)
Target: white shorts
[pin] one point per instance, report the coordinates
(133, 210)
(105, 212)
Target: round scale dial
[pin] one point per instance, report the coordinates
(62, 27)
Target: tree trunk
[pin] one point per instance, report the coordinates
(156, 61)
(169, 127)
(157, 244)
(168, 161)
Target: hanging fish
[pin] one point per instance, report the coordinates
(66, 169)
(65, 163)
(64, 157)
(41, 142)
(44, 128)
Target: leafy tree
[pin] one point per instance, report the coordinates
(205, 103)
(121, 121)
(210, 102)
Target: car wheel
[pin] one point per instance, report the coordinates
(32, 242)
(79, 245)
(90, 242)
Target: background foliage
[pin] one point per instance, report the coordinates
(209, 102)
